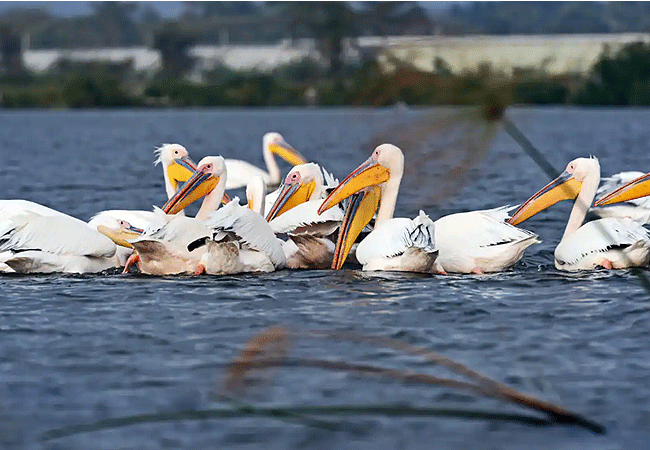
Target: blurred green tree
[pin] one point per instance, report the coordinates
(393, 18)
(328, 22)
(11, 60)
(620, 79)
(173, 45)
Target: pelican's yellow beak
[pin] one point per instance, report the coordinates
(370, 173)
(200, 184)
(287, 152)
(122, 235)
(639, 187)
(180, 171)
(225, 199)
(564, 187)
(359, 212)
(291, 195)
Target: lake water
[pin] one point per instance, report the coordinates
(75, 350)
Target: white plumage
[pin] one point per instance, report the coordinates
(251, 231)
(11, 208)
(163, 247)
(304, 218)
(33, 243)
(308, 246)
(604, 239)
(608, 242)
(480, 241)
(399, 244)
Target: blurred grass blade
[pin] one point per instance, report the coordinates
(485, 385)
(280, 412)
(527, 146)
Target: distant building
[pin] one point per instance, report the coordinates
(261, 57)
(143, 58)
(552, 54)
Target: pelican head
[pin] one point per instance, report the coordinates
(274, 144)
(303, 183)
(211, 171)
(565, 187)
(639, 187)
(374, 180)
(119, 231)
(176, 163)
(387, 160)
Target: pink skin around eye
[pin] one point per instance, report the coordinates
(293, 178)
(205, 168)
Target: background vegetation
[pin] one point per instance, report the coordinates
(620, 78)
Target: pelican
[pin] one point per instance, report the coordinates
(637, 209)
(163, 247)
(480, 241)
(234, 239)
(295, 212)
(470, 242)
(240, 241)
(399, 244)
(240, 172)
(177, 168)
(609, 242)
(37, 239)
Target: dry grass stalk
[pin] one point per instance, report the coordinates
(256, 355)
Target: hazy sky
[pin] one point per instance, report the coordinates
(165, 9)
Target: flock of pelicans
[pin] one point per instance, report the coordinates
(314, 222)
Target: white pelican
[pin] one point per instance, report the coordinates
(610, 242)
(637, 209)
(295, 212)
(395, 243)
(240, 241)
(177, 168)
(163, 247)
(240, 172)
(176, 244)
(480, 241)
(234, 239)
(471, 242)
(37, 239)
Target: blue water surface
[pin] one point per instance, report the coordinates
(75, 350)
